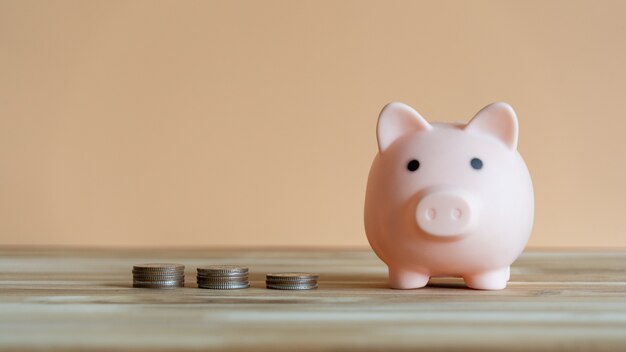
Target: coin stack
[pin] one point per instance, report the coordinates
(223, 277)
(159, 275)
(291, 281)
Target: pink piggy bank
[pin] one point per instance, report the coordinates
(448, 199)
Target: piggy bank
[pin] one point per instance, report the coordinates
(448, 199)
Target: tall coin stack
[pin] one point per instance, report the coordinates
(159, 275)
(291, 281)
(223, 277)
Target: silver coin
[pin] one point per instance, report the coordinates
(159, 267)
(152, 285)
(158, 279)
(213, 283)
(291, 287)
(228, 268)
(292, 282)
(152, 275)
(165, 280)
(169, 282)
(209, 283)
(156, 282)
(224, 287)
(178, 279)
(232, 283)
(221, 274)
(223, 278)
(158, 272)
(222, 270)
(291, 276)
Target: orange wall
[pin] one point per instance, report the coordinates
(132, 123)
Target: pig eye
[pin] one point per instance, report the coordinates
(413, 165)
(476, 163)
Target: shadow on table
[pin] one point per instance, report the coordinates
(331, 281)
(376, 281)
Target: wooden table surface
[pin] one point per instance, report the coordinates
(83, 300)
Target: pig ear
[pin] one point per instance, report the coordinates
(396, 120)
(498, 120)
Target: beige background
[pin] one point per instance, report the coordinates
(252, 123)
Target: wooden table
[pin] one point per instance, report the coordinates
(83, 300)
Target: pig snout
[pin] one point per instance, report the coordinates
(445, 213)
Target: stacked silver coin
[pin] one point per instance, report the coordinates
(159, 275)
(291, 281)
(223, 277)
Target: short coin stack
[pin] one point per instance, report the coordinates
(291, 281)
(159, 275)
(223, 277)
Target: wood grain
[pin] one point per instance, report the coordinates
(63, 300)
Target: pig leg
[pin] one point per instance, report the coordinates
(403, 279)
(488, 280)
